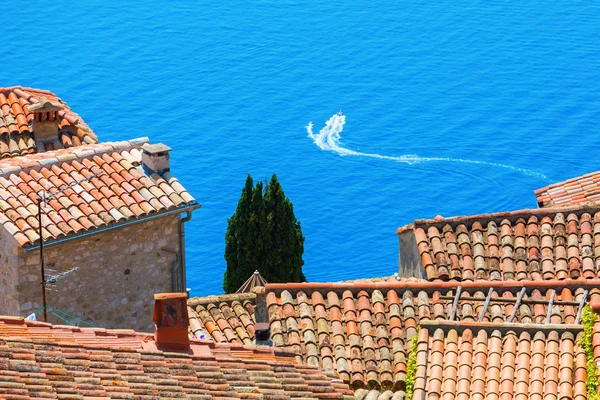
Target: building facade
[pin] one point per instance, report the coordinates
(111, 214)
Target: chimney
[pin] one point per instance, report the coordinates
(262, 327)
(45, 124)
(171, 320)
(262, 334)
(155, 158)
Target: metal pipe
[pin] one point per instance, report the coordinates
(517, 303)
(39, 200)
(486, 304)
(107, 228)
(455, 303)
(549, 315)
(581, 304)
(513, 300)
(182, 221)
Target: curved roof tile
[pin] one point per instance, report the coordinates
(16, 136)
(583, 189)
(537, 244)
(86, 188)
(41, 360)
(363, 330)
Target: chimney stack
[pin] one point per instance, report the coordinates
(262, 334)
(171, 319)
(262, 327)
(46, 123)
(155, 158)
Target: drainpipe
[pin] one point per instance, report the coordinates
(182, 221)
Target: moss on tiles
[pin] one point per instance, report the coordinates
(589, 319)
(411, 367)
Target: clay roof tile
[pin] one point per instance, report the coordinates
(371, 326)
(119, 356)
(579, 190)
(102, 200)
(15, 104)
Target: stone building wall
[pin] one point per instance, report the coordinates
(9, 254)
(112, 277)
(409, 263)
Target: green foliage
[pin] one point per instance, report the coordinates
(588, 319)
(263, 234)
(411, 367)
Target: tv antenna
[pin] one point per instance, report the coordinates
(42, 201)
(56, 276)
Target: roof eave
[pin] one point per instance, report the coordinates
(187, 207)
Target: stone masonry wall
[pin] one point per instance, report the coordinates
(9, 253)
(113, 275)
(410, 265)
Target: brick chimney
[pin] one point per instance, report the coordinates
(155, 158)
(171, 320)
(45, 124)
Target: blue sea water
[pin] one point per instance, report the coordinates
(231, 86)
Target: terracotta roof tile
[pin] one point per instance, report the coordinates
(583, 189)
(102, 200)
(539, 244)
(16, 137)
(41, 360)
(362, 330)
(476, 361)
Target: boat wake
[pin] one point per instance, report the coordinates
(329, 139)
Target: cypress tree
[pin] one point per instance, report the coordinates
(283, 261)
(235, 245)
(263, 234)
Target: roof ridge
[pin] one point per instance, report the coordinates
(223, 298)
(120, 333)
(37, 161)
(27, 89)
(434, 285)
(30, 89)
(10, 88)
(100, 333)
(105, 331)
(248, 347)
(501, 215)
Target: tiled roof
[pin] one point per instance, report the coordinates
(227, 318)
(393, 278)
(16, 327)
(579, 190)
(477, 361)
(538, 244)
(35, 362)
(112, 188)
(16, 137)
(362, 330)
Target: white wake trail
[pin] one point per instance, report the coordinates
(329, 139)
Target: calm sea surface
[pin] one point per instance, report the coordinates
(451, 108)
